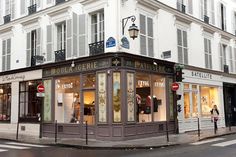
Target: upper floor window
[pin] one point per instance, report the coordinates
(231, 68)
(185, 6)
(6, 54)
(10, 8)
(234, 60)
(146, 35)
(234, 23)
(182, 46)
(207, 11)
(222, 17)
(61, 36)
(97, 27)
(222, 55)
(208, 53)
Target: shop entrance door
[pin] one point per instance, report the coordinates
(89, 106)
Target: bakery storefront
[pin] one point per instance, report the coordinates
(199, 91)
(120, 96)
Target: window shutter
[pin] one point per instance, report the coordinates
(22, 7)
(143, 40)
(1, 14)
(180, 44)
(201, 9)
(82, 35)
(13, 9)
(8, 54)
(233, 22)
(224, 14)
(235, 60)
(212, 12)
(38, 42)
(50, 53)
(7, 7)
(3, 55)
(28, 49)
(219, 15)
(75, 35)
(206, 54)
(68, 38)
(210, 55)
(142, 24)
(190, 6)
(150, 37)
(38, 2)
(230, 59)
(143, 45)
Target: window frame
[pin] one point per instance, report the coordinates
(208, 52)
(99, 26)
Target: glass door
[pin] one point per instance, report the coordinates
(89, 106)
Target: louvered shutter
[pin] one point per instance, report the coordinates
(150, 37)
(75, 35)
(28, 49)
(82, 35)
(212, 12)
(143, 42)
(50, 55)
(185, 47)
(8, 54)
(13, 9)
(23, 7)
(224, 14)
(179, 39)
(38, 42)
(190, 6)
(221, 57)
(201, 9)
(210, 54)
(235, 60)
(68, 38)
(206, 53)
(231, 59)
(4, 55)
(7, 7)
(219, 15)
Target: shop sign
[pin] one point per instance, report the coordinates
(12, 77)
(201, 75)
(111, 42)
(175, 86)
(79, 67)
(125, 43)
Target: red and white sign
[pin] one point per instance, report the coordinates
(40, 88)
(175, 86)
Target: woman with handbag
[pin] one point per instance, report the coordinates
(215, 116)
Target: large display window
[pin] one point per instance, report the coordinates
(5, 102)
(30, 103)
(67, 99)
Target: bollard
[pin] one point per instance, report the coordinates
(215, 123)
(229, 122)
(56, 131)
(86, 132)
(17, 130)
(198, 127)
(167, 132)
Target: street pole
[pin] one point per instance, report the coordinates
(56, 131)
(167, 132)
(198, 127)
(86, 132)
(17, 130)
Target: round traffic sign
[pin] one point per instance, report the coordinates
(40, 88)
(175, 86)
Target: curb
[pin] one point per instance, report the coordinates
(214, 136)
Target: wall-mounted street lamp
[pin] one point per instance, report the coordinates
(133, 29)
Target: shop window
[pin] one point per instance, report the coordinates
(186, 105)
(186, 86)
(67, 99)
(159, 98)
(89, 80)
(30, 104)
(143, 97)
(195, 103)
(130, 98)
(102, 97)
(209, 98)
(194, 87)
(116, 97)
(89, 107)
(5, 102)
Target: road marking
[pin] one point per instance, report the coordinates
(12, 147)
(3, 150)
(223, 144)
(25, 144)
(207, 141)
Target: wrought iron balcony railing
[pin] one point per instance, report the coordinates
(33, 60)
(32, 9)
(37, 60)
(59, 1)
(7, 18)
(60, 55)
(96, 48)
(206, 19)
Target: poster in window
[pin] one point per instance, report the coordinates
(47, 101)
(102, 106)
(130, 96)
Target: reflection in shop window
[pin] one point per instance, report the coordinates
(158, 98)
(116, 97)
(67, 99)
(209, 97)
(89, 107)
(143, 97)
(5, 102)
(89, 80)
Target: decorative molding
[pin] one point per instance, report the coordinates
(149, 4)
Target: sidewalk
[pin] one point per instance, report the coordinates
(144, 143)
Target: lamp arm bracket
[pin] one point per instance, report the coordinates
(125, 21)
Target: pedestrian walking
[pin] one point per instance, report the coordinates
(215, 116)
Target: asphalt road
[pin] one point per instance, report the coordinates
(217, 147)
